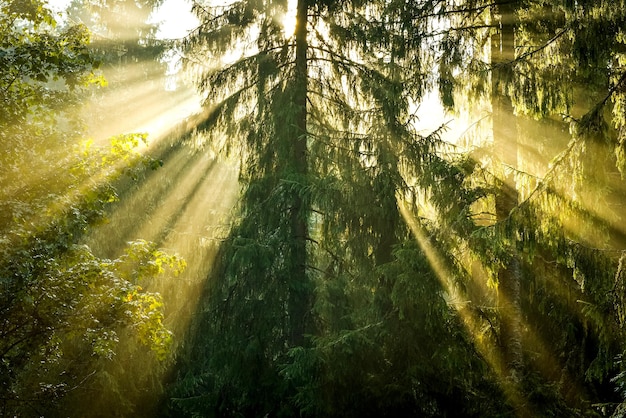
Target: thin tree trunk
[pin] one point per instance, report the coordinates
(505, 150)
(299, 298)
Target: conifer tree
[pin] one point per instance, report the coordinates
(562, 73)
(315, 273)
(315, 287)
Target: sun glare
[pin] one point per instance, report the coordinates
(289, 19)
(183, 206)
(175, 19)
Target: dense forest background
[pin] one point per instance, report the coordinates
(313, 208)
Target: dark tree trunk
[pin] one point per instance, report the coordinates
(299, 291)
(505, 153)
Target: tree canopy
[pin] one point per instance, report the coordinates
(63, 310)
(339, 185)
(428, 218)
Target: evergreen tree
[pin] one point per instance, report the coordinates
(562, 224)
(320, 282)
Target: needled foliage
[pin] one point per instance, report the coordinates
(372, 267)
(553, 225)
(123, 34)
(322, 304)
(558, 65)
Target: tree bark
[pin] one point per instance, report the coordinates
(505, 157)
(299, 289)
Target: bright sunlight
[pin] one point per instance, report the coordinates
(385, 209)
(289, 19)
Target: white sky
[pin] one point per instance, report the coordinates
(176, 19)
(174, 15)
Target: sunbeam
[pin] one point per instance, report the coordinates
(473, 323)
(301, 208)
(185, 208)
(116, 150)
(480, 328)
(142, 105)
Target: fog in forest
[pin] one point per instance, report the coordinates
(299, 208)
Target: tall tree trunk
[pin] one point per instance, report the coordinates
(299, 295)
(505, 150)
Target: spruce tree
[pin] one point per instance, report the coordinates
(564, 74)
(320, 278)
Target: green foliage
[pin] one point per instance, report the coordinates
(337, 280)
(405, 354)
(66, 320)
(63, 309)
(382, 337)
(65, 314)
(34, 53)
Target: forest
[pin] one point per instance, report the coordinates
(313, 208)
